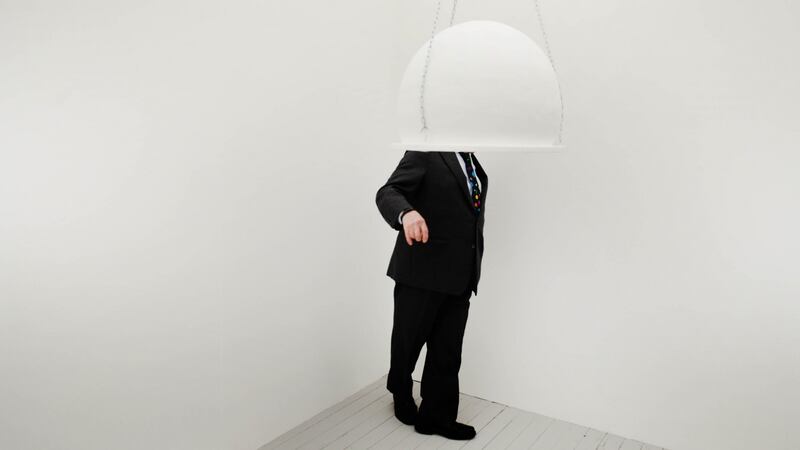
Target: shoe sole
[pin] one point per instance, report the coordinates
(422, 429)
(426, 429)
(406, 421)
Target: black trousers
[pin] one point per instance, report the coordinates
(438, 320)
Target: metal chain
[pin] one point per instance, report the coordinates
(428, 59)
(553, 64)
(453, 12)
(425, 70)
(452, 18)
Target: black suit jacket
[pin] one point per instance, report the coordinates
(434, 184)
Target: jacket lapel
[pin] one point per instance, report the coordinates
(451, 160)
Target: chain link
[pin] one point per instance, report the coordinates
(553, 64)
(425, 70)
(453, 12)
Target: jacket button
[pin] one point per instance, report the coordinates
(473, 245)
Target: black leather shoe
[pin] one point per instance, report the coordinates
(451, 430)
(405, 409)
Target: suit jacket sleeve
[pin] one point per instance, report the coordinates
(395, 195)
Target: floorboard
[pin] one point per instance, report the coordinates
(365, 420)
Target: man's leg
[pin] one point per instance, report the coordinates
(440, 390)
(415, 311)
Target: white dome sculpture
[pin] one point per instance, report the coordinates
(488, 88)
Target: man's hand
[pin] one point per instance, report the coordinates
(414, 227)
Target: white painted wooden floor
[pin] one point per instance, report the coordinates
(366, 420)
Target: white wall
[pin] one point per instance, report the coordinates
(190, 253)
(191, 258)
(646, 281)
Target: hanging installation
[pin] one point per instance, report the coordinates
(480, 86)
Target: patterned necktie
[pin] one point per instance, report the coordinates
(472, 176)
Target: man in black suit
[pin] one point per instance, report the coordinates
(437, 202)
